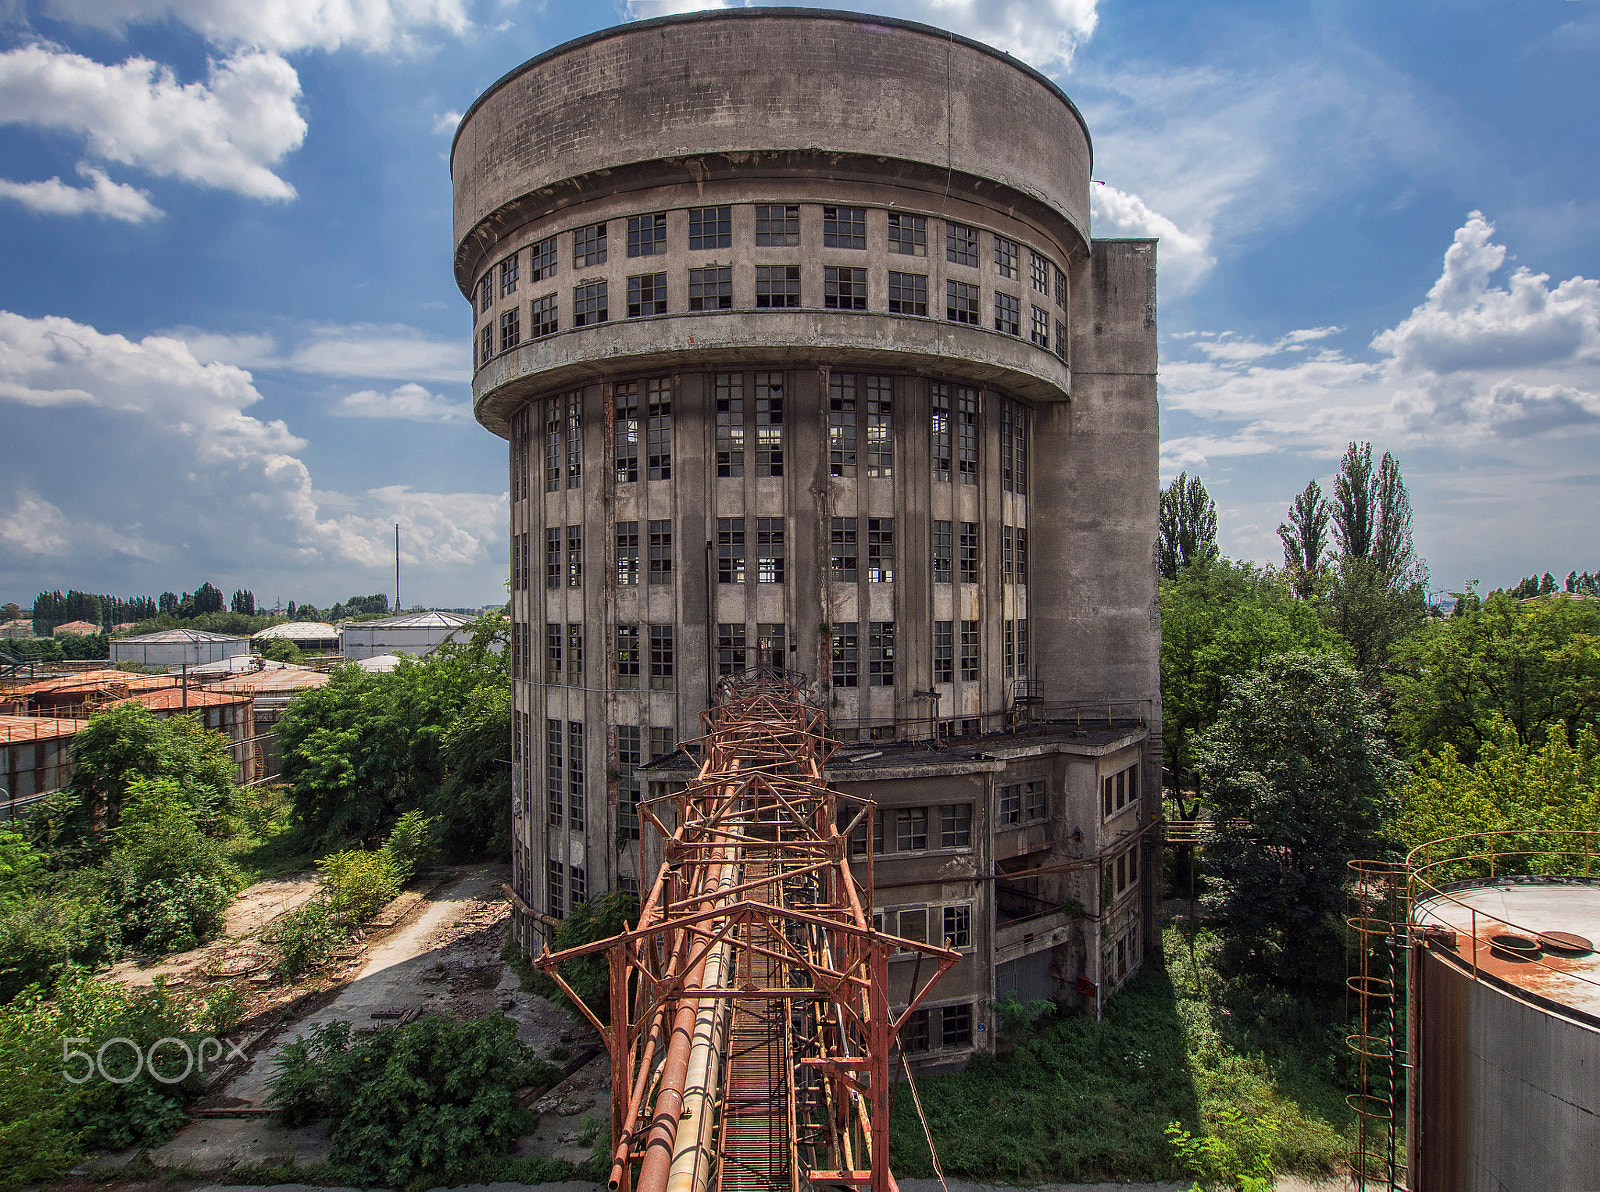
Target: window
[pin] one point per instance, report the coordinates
(958, 926)
(508, 275)
(908, 294)
(574, 654)
(1008, 555)
(554, 891)
(777, 225)
(1061, 339)
(1022, 555)
(770, 649)
(730, 424)
(961, 302)
(769, 424)
(629, 759)
(486, 344)
(967, 434)
(770, 551)
(486, 291)
(589, 304)
(1022, 647)
(1014, 447)
(1127, 872)
(911, 829)
(519, 561)
(575, 779)
(510, 328)
(661, 658)
(969, 651)
(880, 427)
(912, 923)
(1040, 334)
(542, 259)
(844, 289)
(647, 295)
(843, 556)
(589, 246)
(955, 824)
(554, 430)
(777, 285)
(943, 557)
(1061, 288)
(969, 552)
(710, 227)
(914, 1034)
(627, 644)
(574, 439)
(625, 431)
(545, 320)
(730, 649)
(574, 556)
(663, 741)
(552, 557)
(521, 435)
(1009, 810)
(880, 654)
(880, 550)
(1007, 313)
(555, 774)
(939, 429)
(1008, 649)
(846, 651)
(730, 550)
(844, 227)
(661, 552)
(647, 234)
(961, 244)
(841, 425)
(658, 431)
(944, 663)
(554, 639)
(908, 234)
(1040, 268)
(1005, 256)
(1034, 804)
(1119, 790)
(711, 289)
(956, 1024)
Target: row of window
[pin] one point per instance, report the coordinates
(860, 432)
(916, 829)
(949, 925)
(777, 288)
(1119, 790)
(777, 225)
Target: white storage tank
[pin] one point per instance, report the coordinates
(178, 647)
(409, 633)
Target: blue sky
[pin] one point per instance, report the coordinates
(231, 348)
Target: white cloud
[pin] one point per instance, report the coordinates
(102, 197)
(227, 132)
(445, 124)
(1184, 258)
(411, 402)
(641, 10)
(281, 25)
(382, 351)
(247, 350)
(33, 526)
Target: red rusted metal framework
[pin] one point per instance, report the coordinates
(749, 1026)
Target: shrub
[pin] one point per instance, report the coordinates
(589, 975)
(305, 938)
(431, 1100)
(411, 843)
(1238, 1156)
(1018, 1018)
(356, 882)
(21, 865)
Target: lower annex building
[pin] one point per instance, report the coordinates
(806, 358)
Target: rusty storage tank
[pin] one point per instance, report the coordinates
(1505, 1033)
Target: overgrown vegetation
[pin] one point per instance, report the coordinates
(588, 976)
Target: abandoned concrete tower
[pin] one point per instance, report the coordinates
(806, 357)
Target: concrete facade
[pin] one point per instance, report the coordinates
(866, 402)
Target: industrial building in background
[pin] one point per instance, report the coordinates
(807, 359)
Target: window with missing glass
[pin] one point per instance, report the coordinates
(1007, 313)
(844, 289)
(1008, 555)
(1040, 334)
(841, 425)
(955, 825)
(628, 554)
(663, 660)
(943, 556)
(554, 771)
(1060, 346)
(777, 285)
(574, 654)
(554, 644)
(843, 554)
(770, 550)
(969, 552)
(1008, 650)
(908, 234)
(908, 294)
(574, 556)
(1008, 807)
(710, 227)
(1006, 253)
(711, 289)
(956, 1022)
(625, 431)
(961, 244)
(574, 439)
(961, 302)
(542, 259)
(969, 651)
(846, 661)
(545, 319)
(731, 649)
(939, 429)
(844, 227)
(769, 424)
(880, 427)
(589, 246)
(627, 648)
(486, 343)
(910, 829)
(630, 756)
(660, 548)
(730, 550)
(967, 434)
(663, 741)
(1039, 269)
(509, 270)
(1061, 288)
(944, 665)
(729, 398)
(552, 557)
(647, 234)
(658, 429)
(647, 295)
(880, 654)
(575, 765)
(1022, 646)
(777, 225)
(510, 328)
(880, 550)
(589, 304)
(1022, 555)
(486, 291)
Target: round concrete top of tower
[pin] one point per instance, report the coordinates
(848, 89)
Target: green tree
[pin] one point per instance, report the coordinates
(1298, 770)
(1305, 541)
(1188, 524)
(1527, 666)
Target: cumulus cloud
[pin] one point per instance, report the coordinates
(411, 402)
(382, 351)
(281, 25)
(1184, 257)
(102, 197)
(445, 124)
(227, 132)
(182, 470)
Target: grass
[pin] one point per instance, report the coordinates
(1087, 1100)
(267, 844)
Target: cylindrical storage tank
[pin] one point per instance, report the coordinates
(1505, 1037)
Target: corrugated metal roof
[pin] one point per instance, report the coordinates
(14, 729)
(198, 697)
(428, 620)
(298, 631)
(279, 677)
(187, 636)
(90, 680)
